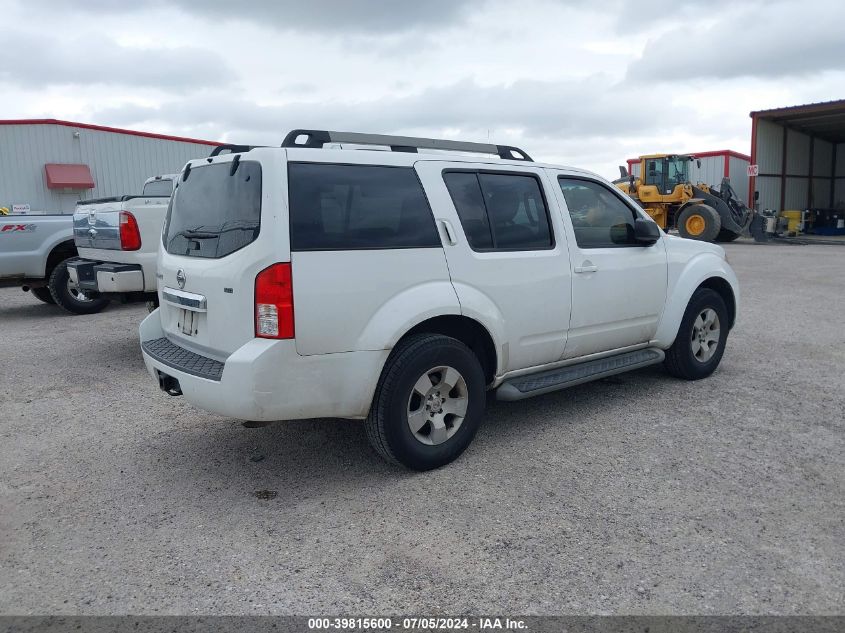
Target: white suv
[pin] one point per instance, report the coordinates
(399, 286)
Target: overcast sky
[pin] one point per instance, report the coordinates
(574, 82)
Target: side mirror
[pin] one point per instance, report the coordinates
(646, 232)
(623, 171)
(756, 196)
(698, 164)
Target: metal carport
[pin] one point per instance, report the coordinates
(799, 152)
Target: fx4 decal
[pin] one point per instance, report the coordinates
(17, 228)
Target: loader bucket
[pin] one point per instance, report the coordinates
(734, 214)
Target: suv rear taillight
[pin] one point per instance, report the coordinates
(130, 236)
(274, 302)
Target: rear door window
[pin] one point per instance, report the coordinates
(469, 202)
(214, 212)
(348, 207)
(500, 211)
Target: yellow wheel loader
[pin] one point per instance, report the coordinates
(699, 212)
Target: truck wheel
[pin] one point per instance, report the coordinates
(701, 338)
(428, 404)
(699, 222)
(68, 296)
(42, 294)
(726, 236)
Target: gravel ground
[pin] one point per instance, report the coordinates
(638, 494)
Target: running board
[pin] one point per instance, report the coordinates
(571, 375)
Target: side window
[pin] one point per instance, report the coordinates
(500, 211)
(348, 207)
(599, 217)
(654, 172)
(469, 201)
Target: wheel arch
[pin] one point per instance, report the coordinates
(58, 253)
(705, 270)
(724, 289)
(469, 331)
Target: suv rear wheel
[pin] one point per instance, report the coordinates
(701, 339)
(429, 402)
(68, 296)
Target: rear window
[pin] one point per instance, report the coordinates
(213, 212)
(347, 207)
(158, 188)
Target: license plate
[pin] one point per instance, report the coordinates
(188, 322)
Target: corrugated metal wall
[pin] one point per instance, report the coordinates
(769, 160)
(711, 171)
(800, 191)
(822, 165)
(119, 163)
(839, 186)
(738, 171)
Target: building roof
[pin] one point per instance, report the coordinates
(103, 128)
(824, 120)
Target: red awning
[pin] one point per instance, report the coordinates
(68, 177)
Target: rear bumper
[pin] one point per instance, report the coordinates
(106, 277)
(264, 380)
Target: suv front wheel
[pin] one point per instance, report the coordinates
(701, 339)
(429, 402)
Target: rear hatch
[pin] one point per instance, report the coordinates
(227, 221)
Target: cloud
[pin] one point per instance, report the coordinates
(562, 110)
(775, 41)
(343, 16)
(31, 61)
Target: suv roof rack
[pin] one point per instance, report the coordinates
(232, 149)
(317, 138)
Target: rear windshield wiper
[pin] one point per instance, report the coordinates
(199, 234)
(193, 234)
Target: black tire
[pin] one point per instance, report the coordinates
(387, 425)
(62, 295)
(42, 294)
(710, 219)
(726, 236)
(681, 360)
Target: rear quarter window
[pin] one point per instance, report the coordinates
(158, 188)
(214, 212)
(348, 207)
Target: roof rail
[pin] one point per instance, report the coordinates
(317, 138)
(232, 149)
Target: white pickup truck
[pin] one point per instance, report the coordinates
(117, 239)
(34, 251)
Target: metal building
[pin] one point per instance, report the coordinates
(799, 154)
(715, 165)
(47, 165)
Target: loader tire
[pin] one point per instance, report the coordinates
(699, 222)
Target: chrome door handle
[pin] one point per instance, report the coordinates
(586, 269)
(450, 233)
